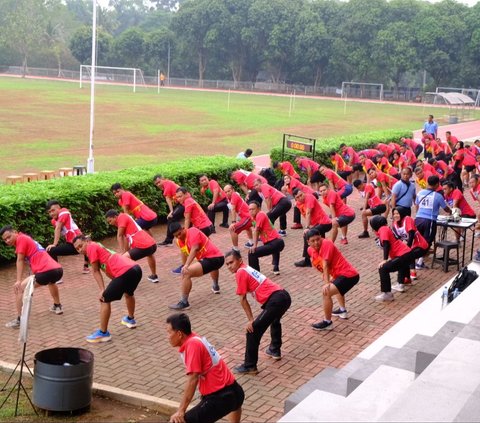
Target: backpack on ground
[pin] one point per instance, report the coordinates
(463, 279)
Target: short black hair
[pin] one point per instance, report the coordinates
(313, 232)
(376, 222)
(357, 183)
(255, 202)
(115, 186)
(433, 180)
(111, 213)
(51, 203)
(80, 237)
(201, 176)
(234, 253)
(157, 176)
(6, 228)
(182, 189)
(275, 164)
(181, 322)
(342, 145)
(431, 160)
(174, 227)
(248, 152)
(295, 191)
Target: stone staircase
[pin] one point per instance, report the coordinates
(425, 368)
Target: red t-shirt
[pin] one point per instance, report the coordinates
(475, 193)
(386, 149)
(336, 180)
(199, 358)
(411, 143)
(373, 200)
(367, 165)
(198, 218)
(266, 231)
(269, 192)
(397, 247)
(169, 189)
(340, 163)
(350, 153)
(251, 280)
(317, 214)
(287, 169)
(463, 205)
(409, 156)
(307, 165)
(69, 229)
(407, 226)
(388, 180)
(468, 158)
(36, 256)
(137, 237)
(341, 209)
(295, 183)
(211, 188)
(239, 205)
(247, 178)
(370, 153)
(338, 264)
(196, 237)
(136, 207)
(115, 264)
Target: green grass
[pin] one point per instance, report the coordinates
(45, 124)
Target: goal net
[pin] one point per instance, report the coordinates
(473, 93)
(362, 90)
(113, 75)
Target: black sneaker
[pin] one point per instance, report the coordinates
(224, 225)
(339, 313)
(181, 305)
(243, 370)
(165, 243)
(303, 263)
(276, 270)
(274, 355)
(323, 325)
(364, 235)
(215, 288)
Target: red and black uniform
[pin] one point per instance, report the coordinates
(221, 202)
(280, 205)
(198, 217)
(143, 214)
(169, 190)
(140, 243)
(406, 230)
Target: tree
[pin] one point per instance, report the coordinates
(24, 26)
(128, 14)
(81, 45)
(157, 44)
(129, 48)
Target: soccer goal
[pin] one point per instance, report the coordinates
(113, 75)
(362, 90)
(473, 93)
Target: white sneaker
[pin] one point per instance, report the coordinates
(56, 309)
(477, 234)
(399, 287)
(59, 282)
(384, 296)
(14, 324)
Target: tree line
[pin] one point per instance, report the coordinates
(310, 42)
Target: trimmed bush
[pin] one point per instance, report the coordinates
(89, 197)
(325, 145)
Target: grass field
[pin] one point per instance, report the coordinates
(45, 124)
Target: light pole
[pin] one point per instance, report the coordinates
(91, 160)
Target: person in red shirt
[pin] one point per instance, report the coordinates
(200, 256)
(264, 231)
(396, 258)
(386, 167)
(240, 217)
(342, 215)
(349, 155)
(372, 205)
(133, 241)
(125, 276)
(336, 183)
(339, 276)
(289, 184)
(144, 215)
(382, 182)
(175, 210)
(219, 202)
(277, 203)
(64, 226)
(286, 168)
(245, 180)
(274, 301)
(315, 218)
(340, 167)
(404, 228)
(193, 214)
(454, 198)
(416, 147)
(44, 268)
(221, 395)
(451, 140)
(364, 164)
(309, 167)
(474, 184)
(408, 155)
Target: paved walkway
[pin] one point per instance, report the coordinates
(141, 360)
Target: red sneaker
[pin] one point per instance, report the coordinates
(344, 241)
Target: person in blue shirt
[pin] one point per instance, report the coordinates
(403, 192)
(431, 126)
(429, 201)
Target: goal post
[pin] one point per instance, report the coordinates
(113, 75)
(366, 90)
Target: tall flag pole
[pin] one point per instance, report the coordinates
(91, 160)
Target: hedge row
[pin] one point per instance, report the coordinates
(89, 197)
(359, 142)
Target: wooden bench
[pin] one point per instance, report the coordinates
(30, 176)
(13, 179)
(65, 171)
(45, 175)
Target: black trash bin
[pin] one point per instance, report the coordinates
(63, 379)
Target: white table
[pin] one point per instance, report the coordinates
(462, 226)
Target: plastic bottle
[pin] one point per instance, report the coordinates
(456, 293)
(444, 297)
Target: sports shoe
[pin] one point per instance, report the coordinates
(249, 244)
(178, 270)
(364, 234)
(276, 270)
(153, 278)
(413, 275)
(86, 270)
(399, 287)
(57, 309)
(476, 258)
(282, 232)
(384, 296)
(420, 266)
(461, 239)
(224, 225)
(243, 370)
(181, 305)
(13, 324)
(99, 336)
(344, 241)
(165, 243)
(59, 282)
(303, 263)
(343, 314)
(272, 354)
(323, 325)
(129, 323)
(215, 288)
(477, 234)
(296, 226)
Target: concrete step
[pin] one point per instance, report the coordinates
(330, 380)
(471, 410)
(443, 389)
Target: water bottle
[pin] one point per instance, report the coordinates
(444, 297)
(456, 293)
